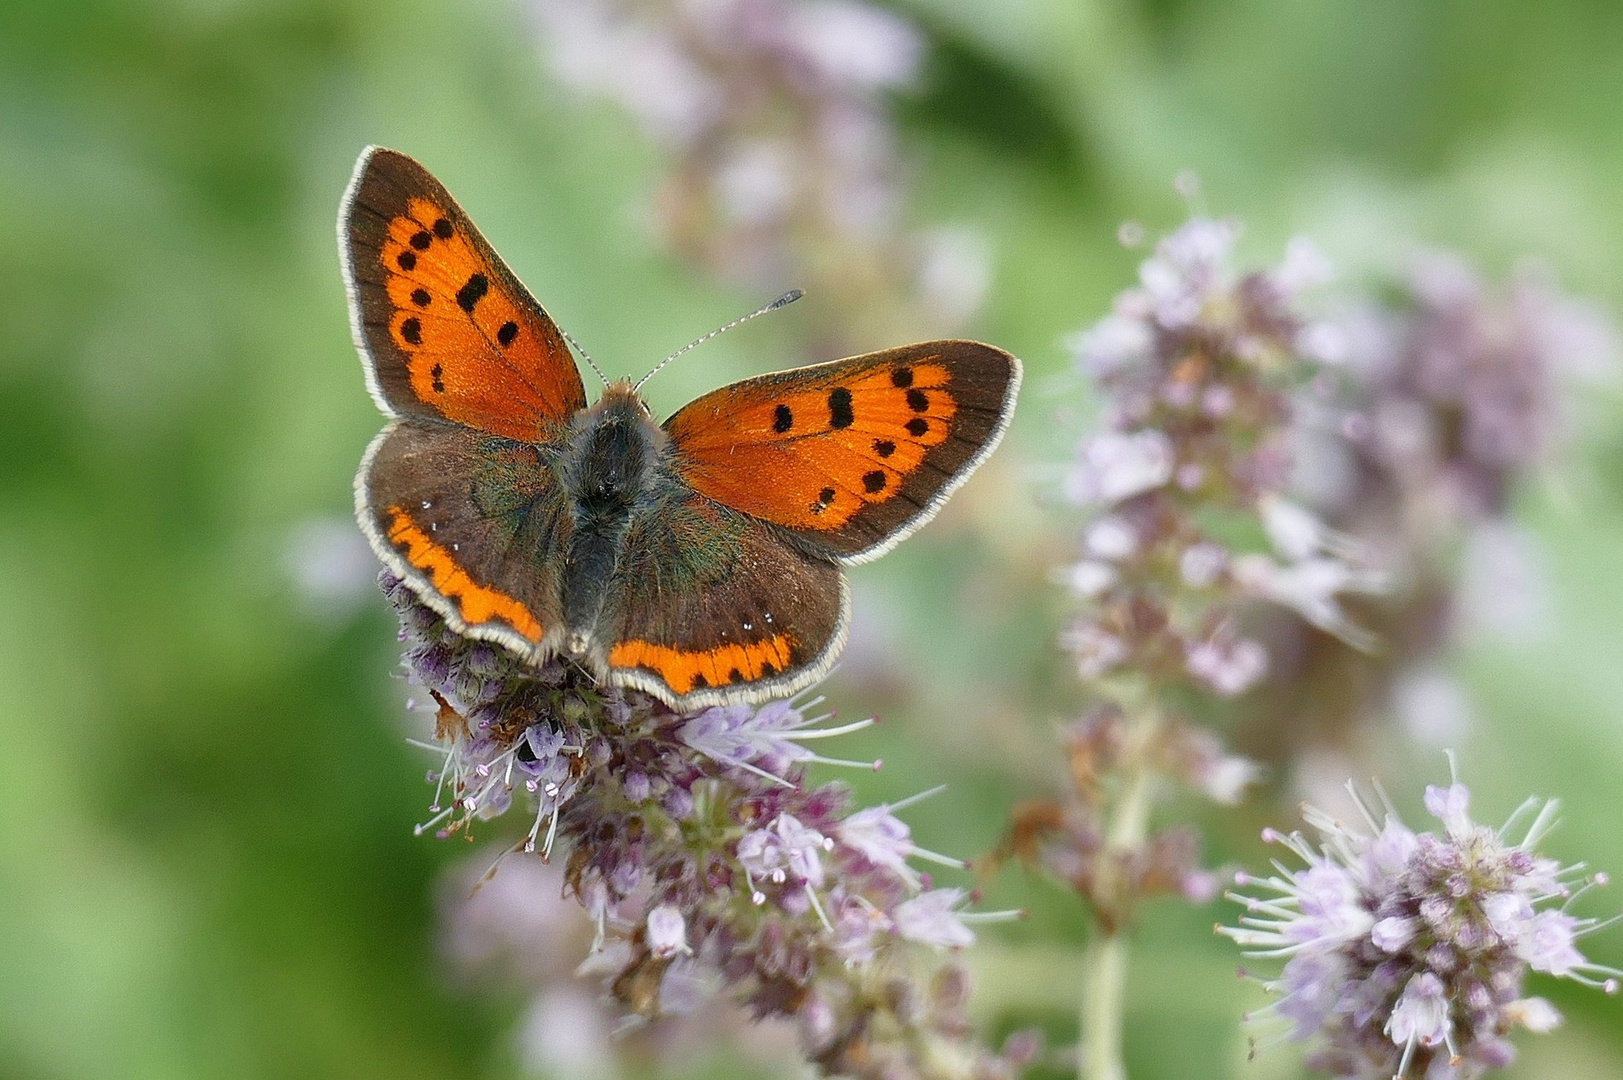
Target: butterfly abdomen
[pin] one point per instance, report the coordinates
(606, 470)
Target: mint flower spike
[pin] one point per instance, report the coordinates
(706, 860)
(1405, 952)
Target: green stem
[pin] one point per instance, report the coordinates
(1104, 980)
(1104, 977)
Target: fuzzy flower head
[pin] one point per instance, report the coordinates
(706, 863)
(1405, 952)
(1205, 369)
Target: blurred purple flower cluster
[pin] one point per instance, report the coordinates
(1406, 952)
(1200, 366)
(1453, 388)
(1191, 528)
(783, 165)
(703, 859)
(1258, 480)
(1449, 399)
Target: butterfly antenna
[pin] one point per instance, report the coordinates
(783, 301)
(584, 355)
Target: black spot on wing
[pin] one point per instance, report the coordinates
(420, 297)
(902, 378)
(839, 409)
(917, 427)
(421, 239)
(412, 330)
(442, 229)
(918, 400)
(406, 260)
(874, 482)
(507, 333)
(782, 419)
(884, 447)
(471, 293)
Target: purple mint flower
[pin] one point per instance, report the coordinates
(1117, 466)
(1227, 667)
(765, 740)
(784, 852)
(859, 929)
(880, 837)
(667, 932)
(1548, 944)
(1312, 587)
(774, 117)
(883, 839)
(1451, 806)
(1188, 270)
(1201, 366)
(933, 919)
(1406, 952)
(668, 825)
(1421, 1018)
(1113, 345)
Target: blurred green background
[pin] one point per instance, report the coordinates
(208, 868)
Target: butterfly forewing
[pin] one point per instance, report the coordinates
(855, 454)
(475, 523)
(444, 327)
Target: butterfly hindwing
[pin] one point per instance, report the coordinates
(443, 326)
(475, 523)
(710, 606)
(851, 455)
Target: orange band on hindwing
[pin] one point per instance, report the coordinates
(478, 604)
(725, 665)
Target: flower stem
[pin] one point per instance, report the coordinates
(1104, 976)
(1103, 983)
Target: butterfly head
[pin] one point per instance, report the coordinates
(620, 398)
(614, 445)
(619, 413)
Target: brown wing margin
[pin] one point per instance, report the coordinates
(443, 327)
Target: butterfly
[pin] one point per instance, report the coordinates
(698, 560)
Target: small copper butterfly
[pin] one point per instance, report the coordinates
(698, 560)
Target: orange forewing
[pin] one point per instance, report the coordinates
(447, 330)
(853, 454)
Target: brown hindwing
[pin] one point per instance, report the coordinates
(710, 606)
(475, 523)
